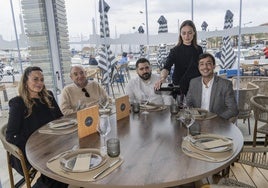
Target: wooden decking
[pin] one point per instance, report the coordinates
(250, 175)
(246, 171)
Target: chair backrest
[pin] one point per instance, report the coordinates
(244, 96)
(243, 80)
(254, 156)
(263, 85)
(12, 149)
(259, 106)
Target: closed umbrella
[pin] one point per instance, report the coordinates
(107, 59)
(162, 49)
(204, 41)
(142, 47)
(228, 56)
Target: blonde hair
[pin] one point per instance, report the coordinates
(25, 94)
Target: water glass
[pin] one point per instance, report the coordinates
(136, 107)
(113, 147)
(174, 109)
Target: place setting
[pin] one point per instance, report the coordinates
(89, 164)
(60, 126)
(145, 105)
(205, 146)
(85, 164)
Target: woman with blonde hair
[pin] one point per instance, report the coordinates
(34, 107)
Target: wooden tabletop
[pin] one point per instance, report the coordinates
(150, 148)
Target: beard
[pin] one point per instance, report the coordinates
(145, 76)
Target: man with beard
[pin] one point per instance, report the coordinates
(143, 85)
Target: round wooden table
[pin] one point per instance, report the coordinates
(150, 148)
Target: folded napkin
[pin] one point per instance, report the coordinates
(211, 141)
(82, 162)
(55, 166)
(216, 143)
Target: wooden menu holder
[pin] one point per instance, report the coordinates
(88, 120)
(122, 107)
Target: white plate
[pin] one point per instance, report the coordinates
(64, 123)
(205, 142)
(82, 160)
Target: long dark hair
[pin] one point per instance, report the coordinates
(25, 94)
(191, 24)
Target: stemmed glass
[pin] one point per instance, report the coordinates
(104, 127)
(80, 105)
(187, 118)
(103, 102)
(181, 100)
(144, 101)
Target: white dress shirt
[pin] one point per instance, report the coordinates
(138, 87)
(206, 92)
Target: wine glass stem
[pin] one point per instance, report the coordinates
(104, 141)
(188, 131)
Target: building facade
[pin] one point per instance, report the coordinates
(46, 29)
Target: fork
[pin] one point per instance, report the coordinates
(201, 154)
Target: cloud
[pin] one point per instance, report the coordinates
(124, 14)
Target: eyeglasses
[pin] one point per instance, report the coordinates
(86, 93)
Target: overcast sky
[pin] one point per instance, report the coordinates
(125, 14)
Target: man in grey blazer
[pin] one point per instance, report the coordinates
(212, 92)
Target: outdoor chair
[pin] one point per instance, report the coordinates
(243, 80)
(252, 156)
(91, 73)
(244, 107)
(124, 71)
(259, 106)
(263, 86)
(116, 79)
(12, 149)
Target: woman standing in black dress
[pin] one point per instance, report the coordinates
(184, 57)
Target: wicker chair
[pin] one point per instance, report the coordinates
(253, 156)
(260, 108)
(243, 80)
(244, 107)
(263, 85)
(11, 149)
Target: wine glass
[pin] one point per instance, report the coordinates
(181, 100)
(103, 102)
(187, 118)
(104, 127)
(80, 105)
(144, 101)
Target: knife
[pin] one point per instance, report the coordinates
(105, 169)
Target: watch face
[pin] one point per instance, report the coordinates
(122, 107)
(88, 121)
